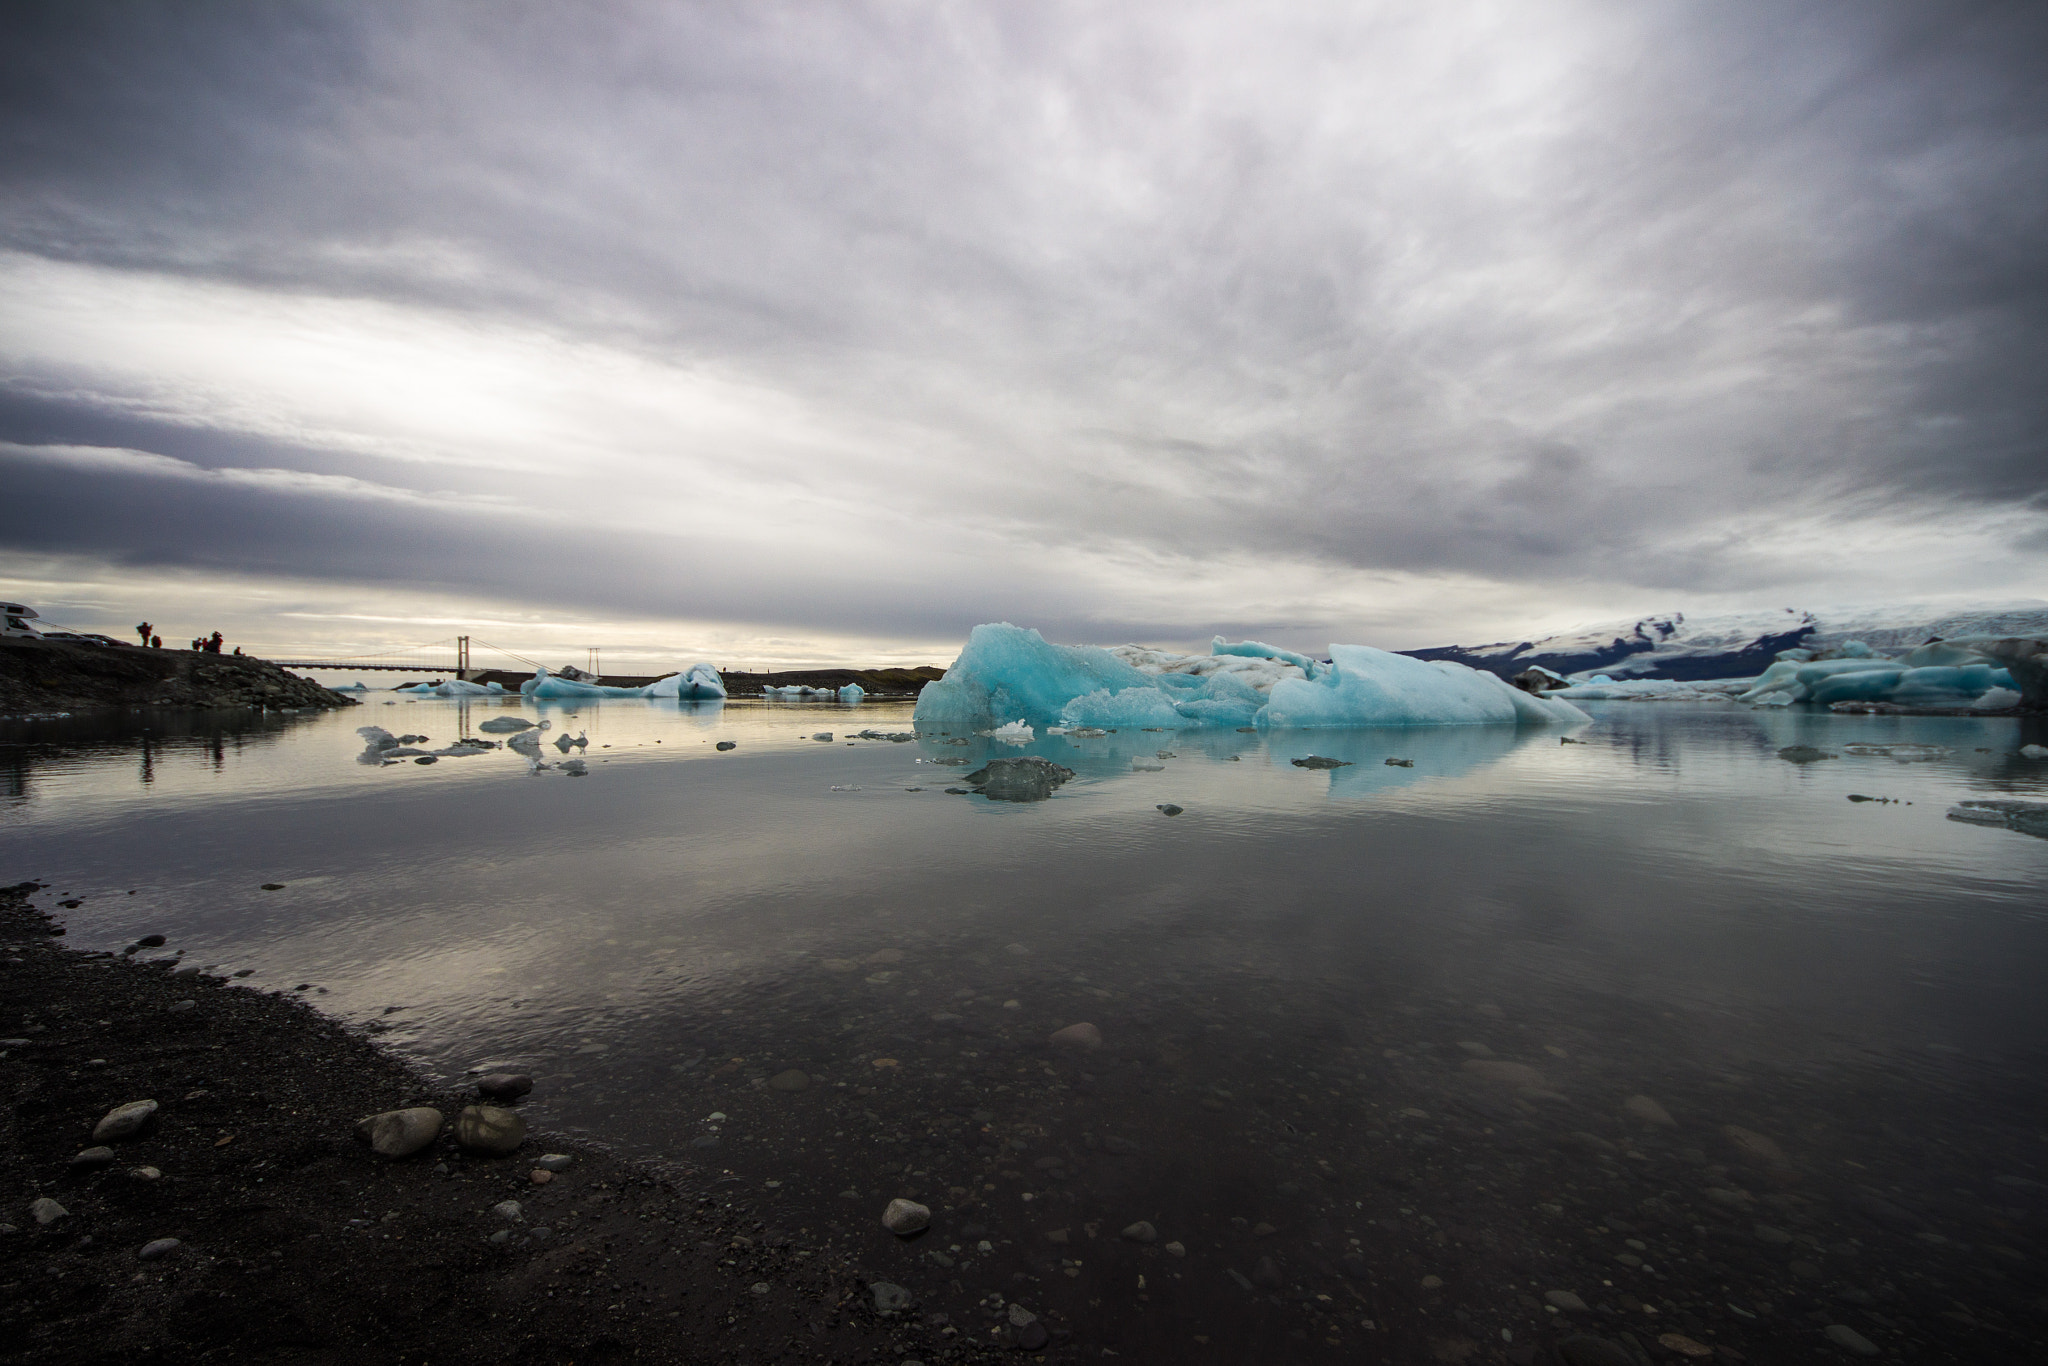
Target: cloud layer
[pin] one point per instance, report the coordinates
(870, 322)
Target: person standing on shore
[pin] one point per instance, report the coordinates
(144, 630)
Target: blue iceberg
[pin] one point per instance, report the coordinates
(1947, 673)
(1007, 673)
(699, 682)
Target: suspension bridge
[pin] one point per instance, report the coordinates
(451, 656)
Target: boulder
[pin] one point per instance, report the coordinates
(1028, 779)
(125, 1121)
(504, 1086)
(400, 1133)
(490, 1129)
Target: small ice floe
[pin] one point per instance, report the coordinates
(566, 742)
(2029, 818)
(1012, 733)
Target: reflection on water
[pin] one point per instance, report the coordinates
(1361, 1026)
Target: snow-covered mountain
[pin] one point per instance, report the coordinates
(1673, 645)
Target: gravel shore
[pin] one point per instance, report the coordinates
(294, 1242)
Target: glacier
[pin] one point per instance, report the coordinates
(1008, 674)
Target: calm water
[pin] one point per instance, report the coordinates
(1309, 985)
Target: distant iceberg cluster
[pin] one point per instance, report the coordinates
(699, 682)
(1009, 674)
(1968, 672)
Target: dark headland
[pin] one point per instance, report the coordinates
(296, 1243)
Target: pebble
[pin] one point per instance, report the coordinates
(158, 1248)
(1141, 1232)
(1648, 1111)
(1083, 1036)
(150, 941)
(400, 1133)
(727, 744)
(504, 1085)
(1565, 1300)
(509, 1210)
(1683, 1345)
(889, 1297)
(489, 1129)
(1175, 1250)
(47, 1211)
(93, 1157)
(1477, 1050)
(179, 1007)
(1754, 1147)
(1263, 1230)
(185, 970)
(553, 1162)
(905, 1217)
(1432, 1282)
(1267, 1274)
(1776, 1237)
(792, 1080)
(1506, 1073)
(144, 1174)
(540, 1176)
(125, 1121)
(1843, 1336)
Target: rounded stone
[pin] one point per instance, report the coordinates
(46, 1211)
(158, 1248)
(889, 1297)
(505, 1086)
(1847, 1338)
(1141, 1232)
(1565, 1300)
(1082, 1036)
(1648, 1111)
(540, 1176)
(792, 1080)
(553, 1162)
(905, 1217)
(125, 1121)
(93, 1157)
(490, 1129)
(400, 1133)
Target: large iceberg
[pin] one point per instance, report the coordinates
(699, 682)
(455, 687)
(1008, 674)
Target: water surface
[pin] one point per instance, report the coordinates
(1368, 1032)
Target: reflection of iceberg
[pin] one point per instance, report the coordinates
(1951, 673)
(1009, 674)
(699, 681)
(1437, 752)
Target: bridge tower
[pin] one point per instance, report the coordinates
(462, 657)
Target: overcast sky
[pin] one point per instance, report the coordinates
(791, 332)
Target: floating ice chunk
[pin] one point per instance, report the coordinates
(455, 687)
(504, 725)
(700, 683)
(1998, 699)
(376, 737)
(2034, 751)
(1008, 673)
(565, 743)
(852, 692)
(1368, 687)
(1015, 733)
(526, 742)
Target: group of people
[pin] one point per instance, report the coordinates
(151, 640)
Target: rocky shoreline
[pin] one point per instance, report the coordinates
(242, 1218)
(39, 678)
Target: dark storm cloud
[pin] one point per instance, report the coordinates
(1590, 292)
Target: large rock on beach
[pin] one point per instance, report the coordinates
(490, 1129)
(1082, 1036)
(400, 1133)
(125, 1121)
(905, 1217)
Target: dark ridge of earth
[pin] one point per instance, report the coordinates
(297, 1244)
(40, 676)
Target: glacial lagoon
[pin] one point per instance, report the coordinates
(1639, 1024)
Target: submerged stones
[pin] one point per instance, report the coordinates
(1804, 754)
(505, 1086)
(1320, 761)
(1026, 779)
(400, 1133)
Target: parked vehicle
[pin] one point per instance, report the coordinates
(15, 619)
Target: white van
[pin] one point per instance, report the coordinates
(15, 619)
